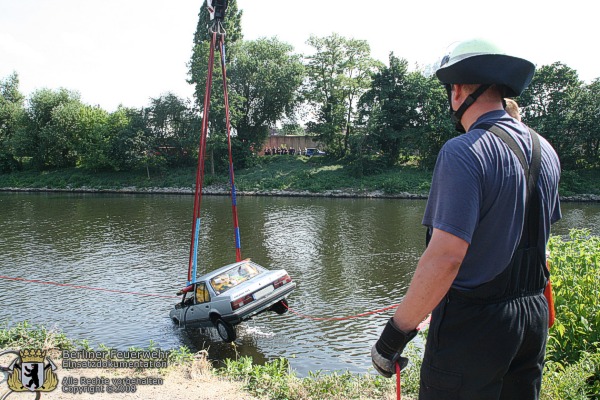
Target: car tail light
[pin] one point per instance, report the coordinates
(242, 301)
(282, 281)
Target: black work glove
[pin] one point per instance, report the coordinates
(388, 349)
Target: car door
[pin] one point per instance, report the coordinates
(196, 315)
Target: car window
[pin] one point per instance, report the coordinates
(234, 276)
(202, 295)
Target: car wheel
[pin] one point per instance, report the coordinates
(225, 330)
(280, 307)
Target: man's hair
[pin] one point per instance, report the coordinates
(494, 92)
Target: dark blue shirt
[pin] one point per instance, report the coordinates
(478, 194)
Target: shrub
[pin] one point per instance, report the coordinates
(575, 279)
(23, 335)
(576, 381)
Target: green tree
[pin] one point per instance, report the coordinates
(587, 124)
(266, 76)
(339, 72)
(92, 138)
(47, 135)
(548, 106)
(129, 146)
(433, 117)
(175, 128)
(11, 111)
(405, 114)
(392, 113)
(292, 128)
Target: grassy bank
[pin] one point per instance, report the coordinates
(316, 174)
(572, 369)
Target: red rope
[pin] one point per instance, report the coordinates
(398, 385)
(202, 153)
(238, 251)
(421, 326)
(339, 318)
(83, 287)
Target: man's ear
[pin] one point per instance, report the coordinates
(458, 96)
(457, 92)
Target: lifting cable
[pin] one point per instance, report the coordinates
(236, 228)
(217, 42)
(200, 169)
(340, 318)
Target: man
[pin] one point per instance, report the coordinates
(483, 272)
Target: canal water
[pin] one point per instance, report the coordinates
(348, 256)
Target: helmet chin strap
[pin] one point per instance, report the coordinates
(457, 115)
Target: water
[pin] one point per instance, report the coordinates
(348, 256)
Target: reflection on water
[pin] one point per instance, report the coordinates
(348, 256)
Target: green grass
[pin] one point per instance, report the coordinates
(319, 174)
(276, 380)
(73, 178)
(315, 175)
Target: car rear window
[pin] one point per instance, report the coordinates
(235, 276)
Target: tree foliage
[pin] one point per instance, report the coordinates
(174, 128)
(548, 106)
(433, 117)
(404, 114)
(92, 138)
(11, 109)
(587, 125)
(198, 73)
(48, 129)
(339, 72)
(392, 113)
(266, 76)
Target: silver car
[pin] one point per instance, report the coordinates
(229, 295)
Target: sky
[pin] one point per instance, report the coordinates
(128, 51)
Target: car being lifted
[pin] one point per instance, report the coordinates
(229, 295)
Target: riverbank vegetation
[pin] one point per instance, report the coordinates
(316, 174)
(268, 174)
(572, 370)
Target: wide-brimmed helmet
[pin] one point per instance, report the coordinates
(479, 61)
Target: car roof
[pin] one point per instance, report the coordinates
(216, 272)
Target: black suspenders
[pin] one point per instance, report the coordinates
(532, 172)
